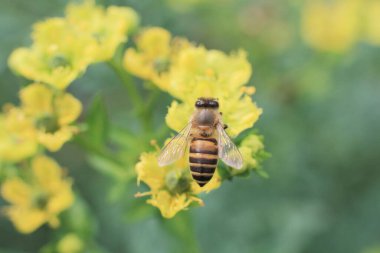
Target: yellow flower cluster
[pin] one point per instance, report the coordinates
(64, 47)
(40, 198)
(338, 24)
(186, 72)
(171, 187)
(106, 28)
(155, 52)
(52, 112)
(44, 118)
(193, 71)
(61, 51)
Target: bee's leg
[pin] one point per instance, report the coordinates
(220, 113)
(225, 126)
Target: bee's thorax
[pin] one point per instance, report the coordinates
(205, 117)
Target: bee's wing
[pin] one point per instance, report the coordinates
(176, 148)
(228, 151)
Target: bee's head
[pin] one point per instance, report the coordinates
(207, 103)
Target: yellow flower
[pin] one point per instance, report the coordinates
(331, 25)
(372, 21)
(199, 72)
(40, 199)
(18, 139)
(156, 51)
(70, 243)
(57, 57)
(106, 27)
(53, 112)
(188, 72)
(171, 187)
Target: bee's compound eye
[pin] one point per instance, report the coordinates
(199, 103)
(214, 104)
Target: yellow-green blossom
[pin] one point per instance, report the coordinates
(250, 148)
(52, 112)
(171, 187)
(57, 57)
(155, 53)
(371, 14)
(70, 243)
(331, 25)
(39, 199)
(106, 27)
(18, 138)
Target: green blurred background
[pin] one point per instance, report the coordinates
(321, 124)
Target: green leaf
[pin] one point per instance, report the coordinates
(138, 210)
(246, 173)
(97, 125)
(110, 167)
(181, 226)
(224, 172)
(262, 173)
(79, 219)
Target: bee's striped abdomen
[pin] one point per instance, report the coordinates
(203, 159)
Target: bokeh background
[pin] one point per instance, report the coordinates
(318, 81)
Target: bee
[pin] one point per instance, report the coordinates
(208, 141)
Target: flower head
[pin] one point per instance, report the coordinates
(57, 57)
(70, 243)
(106, 27)
(155, 53)
(331, 25)
(372, 21)
(252, 150)
(171, 187)
(52, 113)
(39, 199)
(199, 72)
(192, 72)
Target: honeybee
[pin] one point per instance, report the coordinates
(208, 142)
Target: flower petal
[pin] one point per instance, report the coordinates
(47, 174)
(36, 99)
(16, 192)
(68, 108)
(26, 220)
(54, 141)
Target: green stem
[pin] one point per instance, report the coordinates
(95, 150)
(181, 227)
(151, 99)
(147, 111)
(128, 83)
